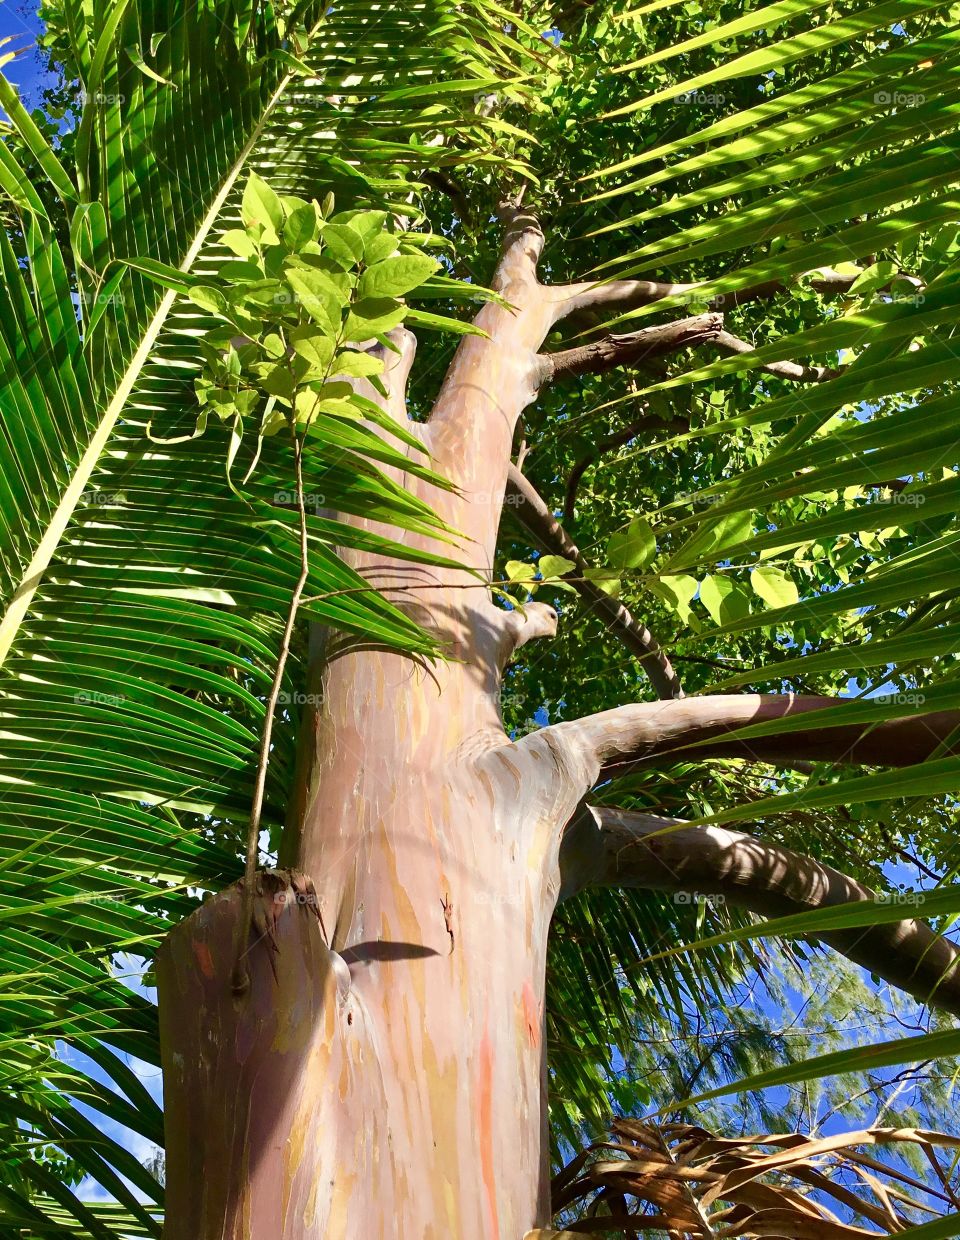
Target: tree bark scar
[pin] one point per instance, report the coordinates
(531, 1014)
(447, 905)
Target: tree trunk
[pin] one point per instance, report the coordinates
(391, 1082)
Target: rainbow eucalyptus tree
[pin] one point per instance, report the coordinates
(480, 655)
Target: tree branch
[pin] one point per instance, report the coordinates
(611, 351)
(488, 384)
(537, 519)
(614, 295)
(603, 355)
(619, 848)
(522, 245)
(783, 370)
(654, 733)
(396, 372)
(629, 294)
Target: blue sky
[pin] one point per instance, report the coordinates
(19, 22)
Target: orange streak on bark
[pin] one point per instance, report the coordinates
(485, 1117)
(531, 1014)
(204, 959)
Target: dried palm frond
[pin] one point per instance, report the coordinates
(682, 1181)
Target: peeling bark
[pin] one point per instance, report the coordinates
(631, 348)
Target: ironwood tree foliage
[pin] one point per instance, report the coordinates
(525, 661)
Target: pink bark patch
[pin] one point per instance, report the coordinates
(485, 1118)
(531, 1014)
(204, 959)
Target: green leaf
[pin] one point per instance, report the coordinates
(395, 276)
(605, 579)
(723, 599)
(262, 207)
(238, 240)
(774, 587)
(416, 317)
(633, 547)
(554, 565)
(208, 298)
(345, 243)
(519, 570)
(372, 316)
(355, 363)
(314, 347)
(34, 140)
(136, 56)
(936, 1229)
(874, 277)
(319, 296)
(369, 226)
(300, 227)
(678, 592)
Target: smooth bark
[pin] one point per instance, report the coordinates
(650, 733)
(612, 847)
(433, 844)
